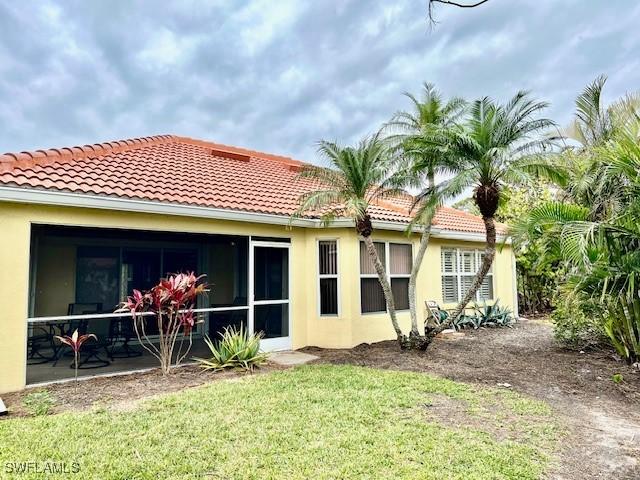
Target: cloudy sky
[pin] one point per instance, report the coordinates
(278, 76)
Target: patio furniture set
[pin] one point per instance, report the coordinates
(114, 336)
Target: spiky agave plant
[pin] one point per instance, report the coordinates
(235, 349)
(75, 341)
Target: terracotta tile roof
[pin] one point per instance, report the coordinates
(182, 170)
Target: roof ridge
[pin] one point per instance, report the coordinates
(28, 159)
(240, 150)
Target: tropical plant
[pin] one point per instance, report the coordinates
(75, 341)
(354, 180)
(235, 349)
(577, 320)
(421, 139)
(171, 303)
(39, 403)
(499, 146)
(591, 230)
(493, 315)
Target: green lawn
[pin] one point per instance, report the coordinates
(309, 422)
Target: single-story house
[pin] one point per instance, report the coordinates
(83, 226)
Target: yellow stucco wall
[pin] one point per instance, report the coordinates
(348, 329)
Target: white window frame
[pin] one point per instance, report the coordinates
(387, 269)
(459, 273)
(325, 275)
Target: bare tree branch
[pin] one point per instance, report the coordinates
(452, 3)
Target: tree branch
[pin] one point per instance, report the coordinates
(452, 3)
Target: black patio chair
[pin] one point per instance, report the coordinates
(92, 348)
(40, 346)
(121, 333)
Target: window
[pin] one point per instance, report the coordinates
(398, 260)
(328, 276)
(459, 266)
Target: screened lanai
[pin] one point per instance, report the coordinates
(79, 275)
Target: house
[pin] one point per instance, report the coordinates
(83, 226)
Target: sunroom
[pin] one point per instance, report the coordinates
(78, 275)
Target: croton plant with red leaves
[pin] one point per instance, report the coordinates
(170, 303)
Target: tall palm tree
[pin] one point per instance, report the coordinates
(420, 137)
(496, 148)
(354, 180)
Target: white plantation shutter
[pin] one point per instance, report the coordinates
(459, 267)
(468, 261)
(486, 290)
(449, 263)
(449, 289)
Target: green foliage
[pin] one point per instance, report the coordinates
(39, 403)
(591, 230)
(486, 315)
(617, 378)
(577, 322)
(235, 349)
(622, 325)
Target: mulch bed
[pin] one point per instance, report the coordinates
(123, 391)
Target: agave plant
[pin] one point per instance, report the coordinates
(235, 349)
(75, 341)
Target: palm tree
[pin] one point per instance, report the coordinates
(496, 148)
(354, 181)
(420, 137)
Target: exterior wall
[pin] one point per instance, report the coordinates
(351, 327)
(348, 329)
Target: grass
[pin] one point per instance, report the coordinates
(320, 422)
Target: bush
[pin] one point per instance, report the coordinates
(486, 315)
(235, 349)
(39, 403)
(577, 323)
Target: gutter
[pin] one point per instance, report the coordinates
(68, 199)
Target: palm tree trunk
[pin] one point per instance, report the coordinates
(489, 254)
(422, 249)
(386, 288)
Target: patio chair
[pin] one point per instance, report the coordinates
(121, 332)
(40, 340)
(436, 314)
(91, 349)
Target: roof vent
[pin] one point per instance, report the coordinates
(295, 167)
(232, 155)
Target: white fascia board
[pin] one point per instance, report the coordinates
(68, 199)
(42, 197)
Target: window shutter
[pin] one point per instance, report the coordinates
(486, 290)
(448, 260)
(449, 289)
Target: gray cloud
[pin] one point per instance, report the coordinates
(278, 76)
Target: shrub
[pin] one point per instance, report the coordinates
(171, 303)
(486, 316)
(39, 403)
(235, 349)
(577, 323)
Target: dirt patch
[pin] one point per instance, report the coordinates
(124, 392)
(602, 417)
